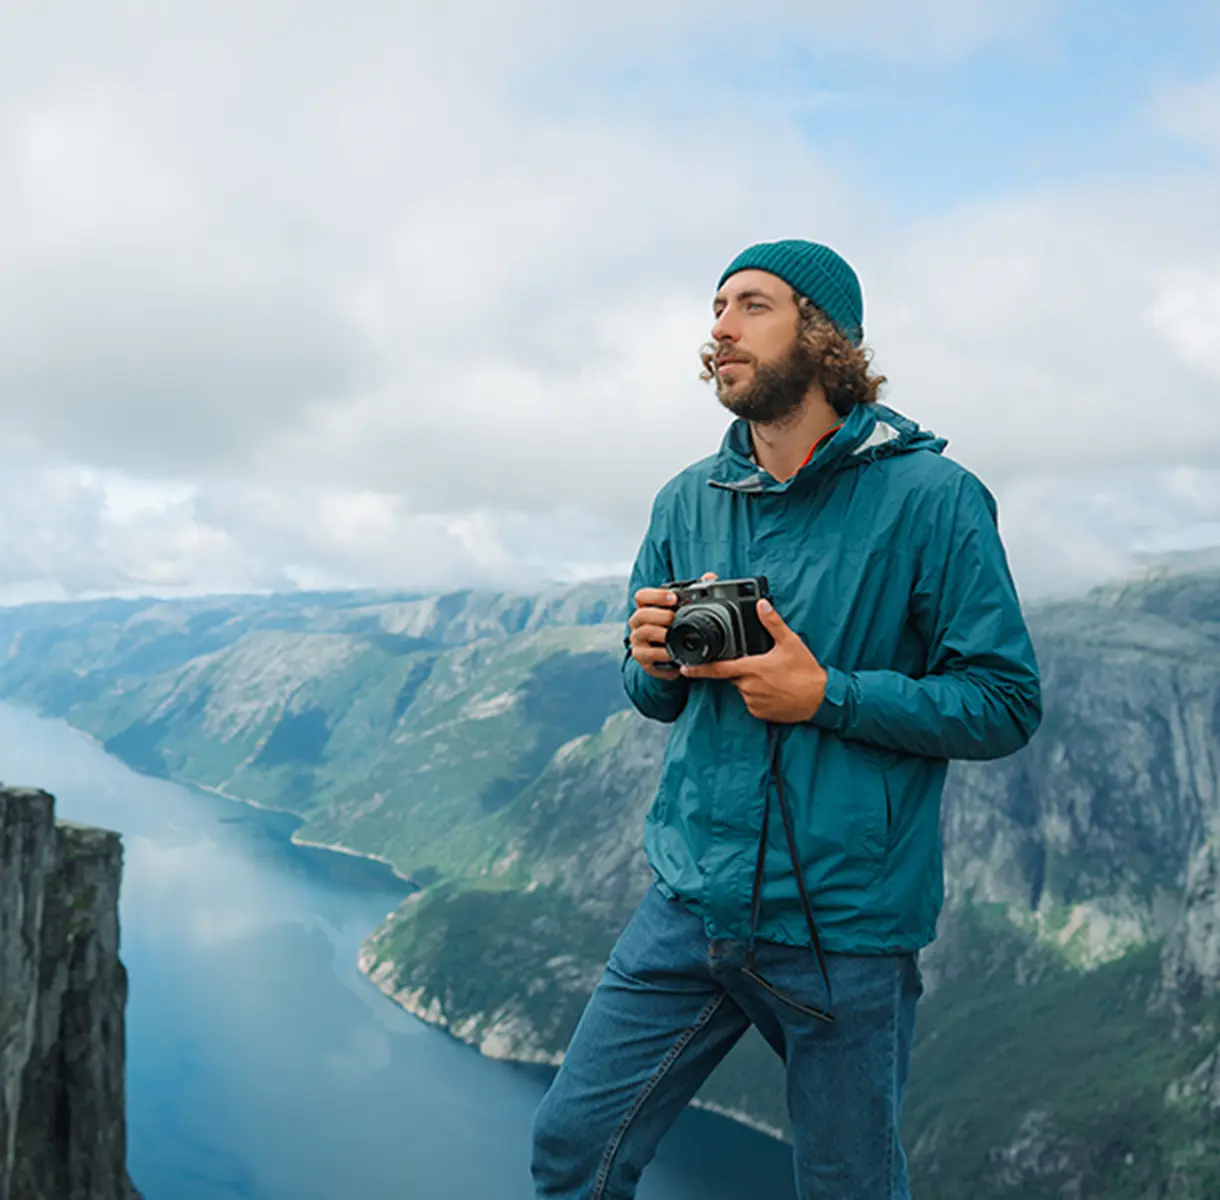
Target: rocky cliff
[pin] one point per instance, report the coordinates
(483, 745)
(1071, 1033)
(63, 994)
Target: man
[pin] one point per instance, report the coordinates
(795, 834)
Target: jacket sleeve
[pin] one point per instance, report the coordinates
(659, 699)
(980, 695)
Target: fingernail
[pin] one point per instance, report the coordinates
(764, 605)
(671, 598)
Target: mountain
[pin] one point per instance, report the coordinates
(1069, 1044)
(63, 994)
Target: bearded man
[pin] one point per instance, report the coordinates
(794, 838)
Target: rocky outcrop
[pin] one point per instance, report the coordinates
(1190, 973)
(63, 993)
(1037, 1153)
(482, 744)
(1192, 959)
(1086, 838)
(1201, 1087)
(591, 852)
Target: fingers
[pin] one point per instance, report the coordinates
(650, 655)
(746, 684)
(649, 624)
(651, 597)
(649, 627)
(662, 618)
(771, 621)
(654, 659)
(654, 597)
(733, 668)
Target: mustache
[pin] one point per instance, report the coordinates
(713, 354)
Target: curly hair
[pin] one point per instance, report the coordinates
(841, 369)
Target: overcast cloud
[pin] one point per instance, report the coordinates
(290, 297)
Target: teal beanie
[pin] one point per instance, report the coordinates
(817, 273)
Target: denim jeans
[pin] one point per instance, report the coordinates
(669, 1007)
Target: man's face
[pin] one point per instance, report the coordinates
(761, 372)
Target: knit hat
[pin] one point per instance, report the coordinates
(817, 273)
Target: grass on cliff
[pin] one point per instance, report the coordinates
(1080, 1047)
(532, 954)
(468, 747)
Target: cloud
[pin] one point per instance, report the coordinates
(68, 532)
(89, 534)
(1191, 111)
(1186, 312)
(416, 297)
(1067, 330)
(1067, 533)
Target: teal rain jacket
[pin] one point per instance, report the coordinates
(885, 558)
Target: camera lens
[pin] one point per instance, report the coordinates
(697, 636)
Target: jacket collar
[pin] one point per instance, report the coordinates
(868, 431)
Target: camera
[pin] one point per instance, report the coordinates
(717, 619)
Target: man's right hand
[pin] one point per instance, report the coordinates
(654, 614)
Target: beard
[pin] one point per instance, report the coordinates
(777, 390)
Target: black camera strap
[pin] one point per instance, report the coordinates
(759, 871)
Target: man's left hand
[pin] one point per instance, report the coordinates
(786, 684)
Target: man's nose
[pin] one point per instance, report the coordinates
(726, 328)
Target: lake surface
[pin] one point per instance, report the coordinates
(260, 1063)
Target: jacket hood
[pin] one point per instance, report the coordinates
(870, 432)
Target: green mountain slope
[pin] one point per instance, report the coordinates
(1070, 1040)
(1050, 1081)
(387, 726)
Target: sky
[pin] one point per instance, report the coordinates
(406, 295)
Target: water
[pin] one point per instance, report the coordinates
(260, 1063)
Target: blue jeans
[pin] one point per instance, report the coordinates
(670, 1006)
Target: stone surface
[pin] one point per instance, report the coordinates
(1192, 959)
(63, 992)
(1095, 843)
(1037, 1152)
(1094, 838)
(1200, 1088)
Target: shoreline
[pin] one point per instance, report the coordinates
(295, 837)
(337, 849)
(198, 785)
(433, 1016)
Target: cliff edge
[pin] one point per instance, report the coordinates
(63, 994)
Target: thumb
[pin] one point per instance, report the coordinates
(772, 622)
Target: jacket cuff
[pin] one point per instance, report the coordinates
(661, 699)
(832, 713)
